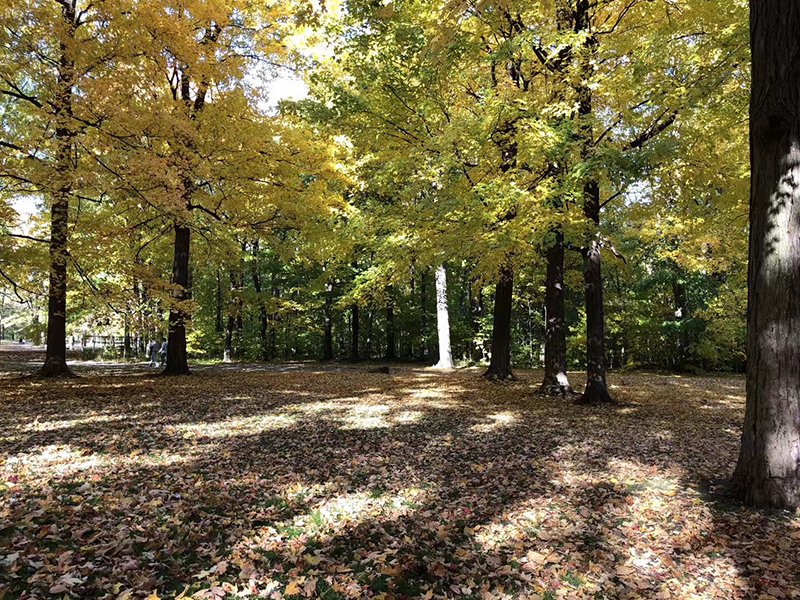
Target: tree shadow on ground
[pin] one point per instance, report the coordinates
(416, 484)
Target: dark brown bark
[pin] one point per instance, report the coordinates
(390, 341)
(327, 345)
(596, 391)
(177, 361)
(354, 355)
(556, 382)
(55, 363)
(262, 307)
(500, 364)
(681, 310)
(768, 470)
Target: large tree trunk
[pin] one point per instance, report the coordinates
(55, 363)
(177, 363)
(768, 471)
(390, 349)
(555, 381)
(596, 391)
(500, 365)
(443, 320)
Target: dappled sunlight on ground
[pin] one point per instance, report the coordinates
(347, 484)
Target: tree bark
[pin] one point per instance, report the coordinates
(177, 362)
(556, 382)
(768, 469)
(596, 391)
(55, 363)
(681, 313)
(500, 365)
(443, 320)
(355, 333)
(390, 349)
(327, 346)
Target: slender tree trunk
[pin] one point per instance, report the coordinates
(423, 318)
(262, 307)
(390, 342)
(500, 365)
(555, 381)
(354, 355)
(126, 344)
(218, 326)
(55, 363)
(327, 347)
(681, 310)
(177, 362)
(368, 346)
(768, 470)
(443, 320)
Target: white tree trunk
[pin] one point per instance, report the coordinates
(443, 320)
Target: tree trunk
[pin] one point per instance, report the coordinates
(327, 346)
(423, 315)
(500, 365)
(555, 381)
(177, 362)
(262, 307)
(768, 470)
(443, 320)
(218, 324)
(368, 346)
(355, 330)
(681, 311)
(55, 363)
(390, 350)
(596, 391)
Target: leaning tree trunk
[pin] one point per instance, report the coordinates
(177, 362)
(596, 391)
(443, 320)
(390, 351)
(500, 365)
(768, 470)
(555, 381)
(55, 363)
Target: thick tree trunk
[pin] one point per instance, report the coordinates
(55, 363)
(443, 320)
(768, 470)
(177, 362)
(354, 355)
(500, 365)
(390, 343)
(555, 381)
(596, 391)
(327, 346)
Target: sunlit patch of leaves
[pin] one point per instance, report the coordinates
(556, 501)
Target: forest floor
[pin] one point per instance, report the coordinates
(307, 483)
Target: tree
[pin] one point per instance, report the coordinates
(768, 470)
(443, 320)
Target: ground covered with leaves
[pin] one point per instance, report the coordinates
(330, 484)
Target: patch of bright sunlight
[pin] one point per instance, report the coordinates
(497, 421)
(38, 425)
(60, 460)
(233, 427)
